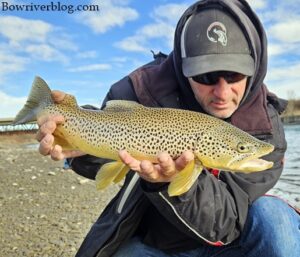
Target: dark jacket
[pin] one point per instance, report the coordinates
(214, 210)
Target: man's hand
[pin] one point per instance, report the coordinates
(47, 125)
(163, 171)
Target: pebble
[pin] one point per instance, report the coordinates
(83, 181)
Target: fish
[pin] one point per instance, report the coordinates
(144, 132)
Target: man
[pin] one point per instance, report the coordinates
(217, 67)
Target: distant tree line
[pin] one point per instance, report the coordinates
(293, 107)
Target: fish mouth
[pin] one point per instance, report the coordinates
(253, 163)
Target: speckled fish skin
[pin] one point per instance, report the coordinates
(144, 132)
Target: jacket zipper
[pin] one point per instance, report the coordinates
(127, 192)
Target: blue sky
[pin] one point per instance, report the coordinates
(83, 53)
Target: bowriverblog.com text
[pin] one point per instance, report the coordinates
(49, 7)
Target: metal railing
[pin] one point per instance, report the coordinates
(6, 125)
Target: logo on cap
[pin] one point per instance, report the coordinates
(216, 32)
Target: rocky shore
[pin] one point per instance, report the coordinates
(46, 211)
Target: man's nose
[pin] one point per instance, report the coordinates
(221, 88)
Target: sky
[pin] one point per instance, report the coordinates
(83, 52)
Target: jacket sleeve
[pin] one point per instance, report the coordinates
(215, 209)
(88, 165)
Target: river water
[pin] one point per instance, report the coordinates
(288, 187)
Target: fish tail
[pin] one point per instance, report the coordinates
(39, 97)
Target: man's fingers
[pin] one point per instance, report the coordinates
(166, 163)
(184, 159)
(57, 153)
(129, 160)
(46, 144)
(148, 171)
(58, 96)
(46, 128)
(58, 119)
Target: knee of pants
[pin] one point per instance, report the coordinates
(273, 222)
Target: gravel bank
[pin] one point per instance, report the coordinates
(45, 210)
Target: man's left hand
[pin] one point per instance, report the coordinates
(163, 171)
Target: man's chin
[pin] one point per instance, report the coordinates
(220, 113)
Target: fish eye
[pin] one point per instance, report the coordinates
(242, 148)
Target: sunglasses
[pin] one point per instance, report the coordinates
(212, 78)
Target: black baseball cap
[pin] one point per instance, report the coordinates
(212, 41)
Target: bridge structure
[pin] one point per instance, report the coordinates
(7, 126)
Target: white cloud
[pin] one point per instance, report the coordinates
(284, 78)
(10, 63)
(92, 67)
(162, 28)
(24, 41)
(132, 44)
(290, 71)
(287, 31)
(112, 14)
(169, 12)
(258, 4)
(87, 55)
(276, 49)
(17, 29)
(45, 52)
(10, 105)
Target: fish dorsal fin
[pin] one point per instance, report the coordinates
(122, 106)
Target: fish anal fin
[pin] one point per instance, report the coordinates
(122, 105)
(184, 180)
(108, 173)
(121, 174)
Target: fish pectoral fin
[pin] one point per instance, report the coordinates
(122, 106)
(184, 180)
(108, 173)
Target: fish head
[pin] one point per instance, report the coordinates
(231, 149)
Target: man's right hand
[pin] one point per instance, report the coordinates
(47, 125)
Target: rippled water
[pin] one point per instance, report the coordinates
(289, 184)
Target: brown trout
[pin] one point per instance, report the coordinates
(144, 132)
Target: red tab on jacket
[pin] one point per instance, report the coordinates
(215, 172)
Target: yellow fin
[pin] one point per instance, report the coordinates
(184, 180)
(122, 105)
(107, 174)
(121, 174)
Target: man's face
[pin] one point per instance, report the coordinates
(221, 99)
